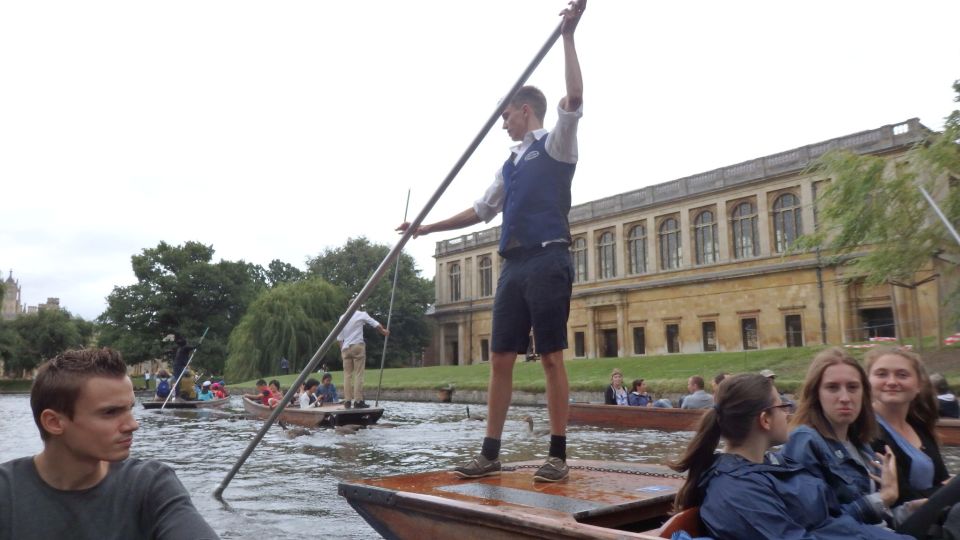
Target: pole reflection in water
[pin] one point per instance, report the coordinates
(288, 488)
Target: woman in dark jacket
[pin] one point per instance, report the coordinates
(906, 410)
(615, 394)
(745, 493)
(833, 429)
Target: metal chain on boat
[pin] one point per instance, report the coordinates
(653, 474)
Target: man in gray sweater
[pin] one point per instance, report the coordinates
(698, 398)
(83, 484)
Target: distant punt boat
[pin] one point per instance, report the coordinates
(663, 419)
(325, 416)
(182, 404)
(620, 416)
(600, 499)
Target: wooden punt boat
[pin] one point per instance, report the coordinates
(181, 404)
(325, 416)
(620, 417)
(600, 500)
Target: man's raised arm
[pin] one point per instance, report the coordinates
(571, 17)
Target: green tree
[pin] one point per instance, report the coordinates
(350, 266)
(179, 289)
(278, 272)
(290, 320)
(41, 336)
(875, 201)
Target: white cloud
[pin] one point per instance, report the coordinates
(274, 130)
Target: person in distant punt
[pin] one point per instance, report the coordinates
(698, 398)
(327, 392)
(615, 394)
(163, 384)
(532, 189)
(309, 395)
(717, 379)
(947, 404)
(84, 483)
(638, 396)
(206, 392)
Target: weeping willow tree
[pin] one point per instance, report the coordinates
(290, 320)
(876, 201)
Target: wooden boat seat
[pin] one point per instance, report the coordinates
(688, 520)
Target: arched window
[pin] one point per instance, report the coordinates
(745, 236)
(705, 237)
(606, 256)
(637, 249)
(580, 260)
(787, 226)
(669, 244)
(486, 276)
(454, 282)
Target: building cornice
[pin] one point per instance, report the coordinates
(881, 140)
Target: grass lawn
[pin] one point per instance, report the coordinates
(15, 385)
(663, 373)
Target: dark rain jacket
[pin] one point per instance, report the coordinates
(828, 460)
(745, 501)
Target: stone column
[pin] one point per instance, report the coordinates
(442, 349)
(621, 329)
(723, 233)
(619, 250)
(461, 343)
(764, 219)
(590, 345)
(686, 239)
(591, 258)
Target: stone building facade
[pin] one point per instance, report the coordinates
(701, 263)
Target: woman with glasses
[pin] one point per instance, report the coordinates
(834, 427)
(745, 492)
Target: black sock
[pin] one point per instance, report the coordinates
(558, 446)
(490, 449)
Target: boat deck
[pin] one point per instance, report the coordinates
(599, 500)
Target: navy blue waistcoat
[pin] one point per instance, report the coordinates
(536, 198)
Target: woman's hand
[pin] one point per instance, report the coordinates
(889, 492)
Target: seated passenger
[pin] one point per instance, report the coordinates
(833, 429)
(327, 392)
(947, 404)
(261, 387)
(276, 396)
(639, 397)
(698, 398)
(717, 379)
(746, 493)
(206, 393)
(906, 410)
(218, 391)
(188, 388)
(615, 394)
(308, 397)
(163, 384)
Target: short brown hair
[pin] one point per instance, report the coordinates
(697, 381)
(810, 411)
(532, 96)
(60, 379)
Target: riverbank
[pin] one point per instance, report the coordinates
(665, 375)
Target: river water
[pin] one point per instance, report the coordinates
(288, 487)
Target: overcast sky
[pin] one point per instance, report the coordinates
(273, 130)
